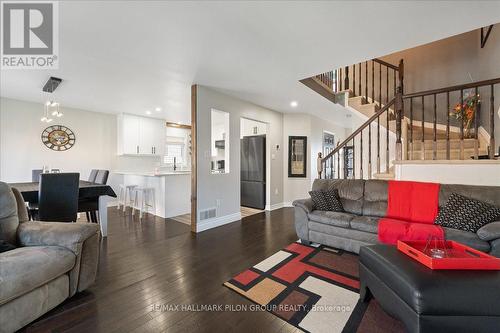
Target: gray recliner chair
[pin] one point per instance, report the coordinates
(51, 263)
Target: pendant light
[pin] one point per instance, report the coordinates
(51, 106)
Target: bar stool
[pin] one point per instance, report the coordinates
(125, 196)
(146, 195)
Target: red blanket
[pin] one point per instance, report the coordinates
(412, 208)
(413, 201)
(390, 231)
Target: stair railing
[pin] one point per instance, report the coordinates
(327, 79)
(348, 170)
(346, 152)
(376, 80)
(464, 100)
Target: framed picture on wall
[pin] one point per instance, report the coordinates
(297, 156)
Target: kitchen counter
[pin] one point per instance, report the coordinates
(172, 189)
(152, 174)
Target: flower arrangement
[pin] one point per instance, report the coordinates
(466, 112)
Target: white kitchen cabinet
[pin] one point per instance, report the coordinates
(128, 134)
(140, 135)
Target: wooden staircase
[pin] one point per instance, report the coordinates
(384, 105)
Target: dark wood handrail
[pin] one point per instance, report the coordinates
(357, 131)
(384, 63)
(452, 88)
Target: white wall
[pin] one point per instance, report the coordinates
(312, 127)
(483, 172)
(21, 148)
(296, 187)
(223, 190)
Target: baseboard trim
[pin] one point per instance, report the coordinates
(217, 221)
(278, 206)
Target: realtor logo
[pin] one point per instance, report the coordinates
(29, 35)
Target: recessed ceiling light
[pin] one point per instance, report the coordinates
(158, 109)
(148, 112)
(294, 104)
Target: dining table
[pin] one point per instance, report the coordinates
(87, 191)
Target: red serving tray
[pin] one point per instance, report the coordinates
(458, 256)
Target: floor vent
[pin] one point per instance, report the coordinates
(208, 214)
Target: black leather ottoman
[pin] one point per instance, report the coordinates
(428, 300)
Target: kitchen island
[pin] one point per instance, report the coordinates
(172, 189)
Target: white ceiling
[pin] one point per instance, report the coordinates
(132, 56)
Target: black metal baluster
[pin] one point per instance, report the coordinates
(448, 125)
(422, 147)
(462, 153)
(411, 129)
(434, 138)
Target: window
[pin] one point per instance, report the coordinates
(174, 150)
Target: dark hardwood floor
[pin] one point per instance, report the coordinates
(160, 262)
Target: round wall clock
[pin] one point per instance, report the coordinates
(58, 138)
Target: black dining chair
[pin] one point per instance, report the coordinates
(35, 175)
(93, 174)
(58, 197)
(102, 177)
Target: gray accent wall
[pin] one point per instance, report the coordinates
(225, 188)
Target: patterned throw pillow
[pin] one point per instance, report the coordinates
(326, 200)
(319, 200)
(333, 199)
(466, 214)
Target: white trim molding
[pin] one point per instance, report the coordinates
(278, 206)
(217, 221)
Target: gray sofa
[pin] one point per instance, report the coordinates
(365, 203)
(52, 262)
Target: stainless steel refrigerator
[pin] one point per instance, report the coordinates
(253, 171)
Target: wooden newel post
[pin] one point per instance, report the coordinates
(319, 165)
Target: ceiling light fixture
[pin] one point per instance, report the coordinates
(294, 104)
(158, 109)
(148, 112)
(51, 106)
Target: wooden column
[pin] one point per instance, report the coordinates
(194, 178)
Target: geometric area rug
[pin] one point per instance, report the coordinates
(315, 289)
